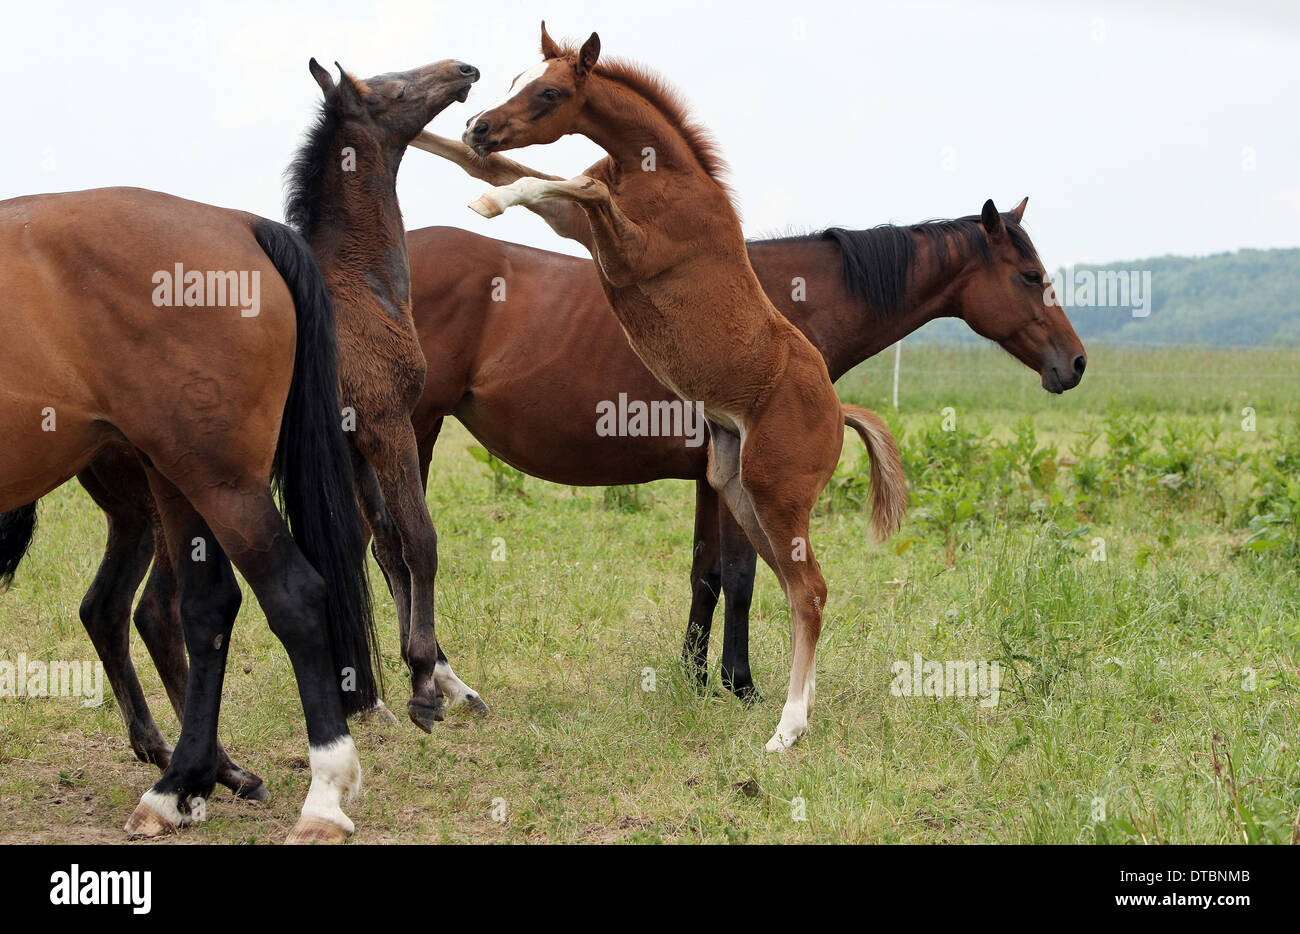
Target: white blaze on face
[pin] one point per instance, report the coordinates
(525, 79)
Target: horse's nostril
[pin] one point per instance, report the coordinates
(481, 128)
(468, 70)
(1079, 363)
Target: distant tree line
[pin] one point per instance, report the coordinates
(1250, 298)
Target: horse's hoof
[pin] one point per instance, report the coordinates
(313, 830)
(145, 822)
(778, 743)
(784, 738)
(486, 206)
(256, 791)
(425, 715)
(476, 704)
(378, 714)
(747, 693)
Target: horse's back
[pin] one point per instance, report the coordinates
(522, 346)
(129, 311)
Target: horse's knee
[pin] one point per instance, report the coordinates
(295, 610)
(705, 570)
(210, 613)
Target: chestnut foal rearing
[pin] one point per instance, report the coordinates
(672, 260)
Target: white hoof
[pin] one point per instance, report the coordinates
(488, 206)
(335, 778)
(794, 723)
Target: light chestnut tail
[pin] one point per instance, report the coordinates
(888, 487)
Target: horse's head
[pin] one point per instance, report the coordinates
(1010, 300)
(543, 102)
(396, 106)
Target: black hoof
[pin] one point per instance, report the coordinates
(255, 792)
(476, 704)
(425, 715)
(744, 690)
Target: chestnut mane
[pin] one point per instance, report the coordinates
(666, 99)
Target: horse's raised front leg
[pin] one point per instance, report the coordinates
(621, 247)
(565, 218)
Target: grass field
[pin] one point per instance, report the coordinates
(1148, 697)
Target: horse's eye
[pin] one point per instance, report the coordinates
(551, 94)
(1033, 277)
(401, 94)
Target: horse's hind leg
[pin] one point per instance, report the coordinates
(774, 508)
(209, 598)
(293, 596)
(739, 562)
(158, 621)
(706, 583)
(106, 613)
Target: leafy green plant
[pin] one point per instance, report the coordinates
(1275, 504)
(628, 498)
(505, 479)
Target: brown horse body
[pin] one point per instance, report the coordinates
(343, 197)
(216, 439)
(218, 390)
(673, 264)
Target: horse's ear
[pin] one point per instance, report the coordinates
(992, 221)
(549, 48)
(1019, 209)
(587, 56)
(322, 76)
(349, 93)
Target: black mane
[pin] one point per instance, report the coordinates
(878, 261)
(304, 178)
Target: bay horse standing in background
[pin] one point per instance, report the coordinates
(219, 402)
(673, 264)
(553, 337)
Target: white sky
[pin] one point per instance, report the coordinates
(1129, 125)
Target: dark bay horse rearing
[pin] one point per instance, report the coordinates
(219, 392)
(350, 216)
(673, 264)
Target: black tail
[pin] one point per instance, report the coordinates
(16, 531)
(313, 469)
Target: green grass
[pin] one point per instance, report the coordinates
(1124, 715)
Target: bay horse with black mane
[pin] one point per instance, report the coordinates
(221, 413)
(673, 264)
(553, 337)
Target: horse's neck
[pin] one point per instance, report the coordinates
(625, 124)
(842, 325)
(363, 235)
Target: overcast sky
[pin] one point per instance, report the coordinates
(1136, 129)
